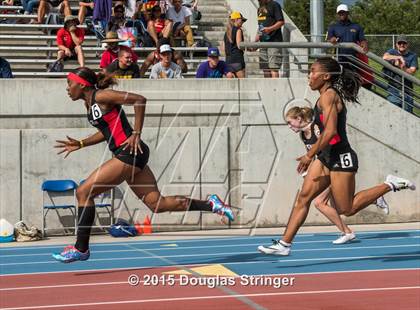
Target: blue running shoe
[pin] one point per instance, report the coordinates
(221, 208)
(71, 254)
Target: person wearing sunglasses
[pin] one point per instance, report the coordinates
(347, 31)
(406, 60)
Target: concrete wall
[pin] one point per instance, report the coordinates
(216, 136)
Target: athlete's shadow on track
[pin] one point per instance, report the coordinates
(388, 235)
(118, 271)
(408, 256)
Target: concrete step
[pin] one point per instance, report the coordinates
(213, 9)
(213, 23)
(203, 28)
(214, 35)
(210, 2)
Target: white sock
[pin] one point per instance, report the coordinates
(390, 186)
(284, 243)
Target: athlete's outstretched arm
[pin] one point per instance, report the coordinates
(113, 97)
(72, 144)
(329, 110)
(96, 138)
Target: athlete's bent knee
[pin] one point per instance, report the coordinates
(83, 193)
(347, 213)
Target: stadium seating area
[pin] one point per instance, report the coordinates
(30, 48)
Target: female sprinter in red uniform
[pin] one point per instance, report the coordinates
(336, 163)
(300, 120)
(104, 108)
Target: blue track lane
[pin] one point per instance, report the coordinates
(310, 253)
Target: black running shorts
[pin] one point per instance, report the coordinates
(344, 159)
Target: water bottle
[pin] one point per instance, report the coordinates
(263, 37)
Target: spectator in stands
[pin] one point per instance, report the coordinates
(29, 5)
(124, 67)
(142, 14)
(102, 12)
(165, 68)
(165, 5)
(69, 41)
(158, 27)
(234, 36)
(154, 57)
(180, 16)
(193, 6)
(111, 52)
(402, 58)
(270, 21)
(5, 70)
(63, 5)
(344, 30)
(213, 68)
(85, 9)
(118, 19)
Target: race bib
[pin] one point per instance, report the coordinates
(346, 161)
(96, 112)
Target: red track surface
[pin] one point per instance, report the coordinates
(106, 289)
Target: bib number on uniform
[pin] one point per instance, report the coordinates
(346, 161)
(96, 112)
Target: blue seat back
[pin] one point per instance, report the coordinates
(58, 185)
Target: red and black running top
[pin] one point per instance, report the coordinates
(113, 124)
(340, 140)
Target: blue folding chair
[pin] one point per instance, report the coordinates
(56, 187)
(105, 201)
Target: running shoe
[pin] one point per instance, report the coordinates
(277, 248)
(71, 254)
(397, 183)
(220, 207)
(344, 238)
(382, 205)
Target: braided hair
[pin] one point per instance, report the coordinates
(346, 82)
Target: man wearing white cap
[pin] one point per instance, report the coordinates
(344, 30)
(165, 68)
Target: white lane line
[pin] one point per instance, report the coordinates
(145, 242)
(213, 254)
(137, 301)
(177, 280)
(213, 246)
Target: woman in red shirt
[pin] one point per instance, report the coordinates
(158, 27)
(69, 41)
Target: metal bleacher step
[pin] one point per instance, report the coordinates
(31, 74)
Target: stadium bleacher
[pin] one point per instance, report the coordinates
(29, 48)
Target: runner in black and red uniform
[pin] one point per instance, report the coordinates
(130, 159)
(301, 120)
(336, 163)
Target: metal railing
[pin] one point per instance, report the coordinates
(381, 79)
(380, 43)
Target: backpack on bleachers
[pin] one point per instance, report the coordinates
(204, 43)
(56, 66)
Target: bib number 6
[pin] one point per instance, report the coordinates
(346, 161)
(96, 112)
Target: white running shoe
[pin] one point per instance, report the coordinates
(277, 248)
(397, 183)
(345, 238)
(382, 205)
